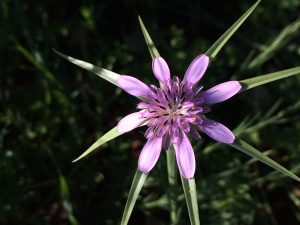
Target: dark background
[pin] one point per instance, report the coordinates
(51, 110)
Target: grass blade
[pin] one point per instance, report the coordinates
(64, 193)
(37, 63)
(249, 150)
(217, 46)
(190, 194)
(112, 134)
(263, 79)
(137, 184)
(152, 49)
(103, 73)
(275, 44)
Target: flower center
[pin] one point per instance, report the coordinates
(172, 109)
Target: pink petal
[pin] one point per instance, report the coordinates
(133, 86)
(217, 131)
(130, 122)
(221, 92)
(196, 69)
(150, 154)
(161, 70)
(185, 157)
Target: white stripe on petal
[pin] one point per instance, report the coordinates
(130, 122)
(150, 154)
(185, 157)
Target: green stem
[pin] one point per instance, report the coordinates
(172, 175)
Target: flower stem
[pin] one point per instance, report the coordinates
(172, 194)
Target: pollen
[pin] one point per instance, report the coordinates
(194, 118)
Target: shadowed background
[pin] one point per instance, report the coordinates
(51, 110)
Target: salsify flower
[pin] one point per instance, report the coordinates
(174, 112)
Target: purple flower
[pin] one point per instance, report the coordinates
(175, 112)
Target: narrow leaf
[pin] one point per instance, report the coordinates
(113, 133)
(103, 73)
(249, 150)
(217, 46)
(63, 186)
(190, 194)
(152, 49)
(276, 43)
(64, 193)
(137, 184)
(263, 79)
(37, 64)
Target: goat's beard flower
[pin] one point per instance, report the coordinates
(175, 112)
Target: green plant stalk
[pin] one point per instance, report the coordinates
(172, 194)
(190, 194)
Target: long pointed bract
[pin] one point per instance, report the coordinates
(152, 49)
(263, 79)
(190, 194)
(113, 133)
(137, 184)
(217, 46)
(249, 150)
(103, 73)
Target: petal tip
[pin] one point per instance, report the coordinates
(221, 92)
(196, 69)
(130, 122)
(161, 69)
(133, 86)
(217, 131)
(149, 154)
(185, 158)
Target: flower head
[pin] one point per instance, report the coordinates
(175, 111)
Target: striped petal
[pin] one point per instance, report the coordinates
(130, 122)
(185, 157)
(196, 69)
(150, 154)
(161, 69)
(221, 92)
(217, 131)
(133, 86)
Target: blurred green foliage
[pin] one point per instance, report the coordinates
(51, 111)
